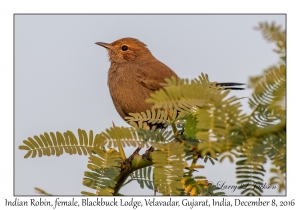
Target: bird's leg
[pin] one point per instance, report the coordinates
(130, 158)
(147, 153)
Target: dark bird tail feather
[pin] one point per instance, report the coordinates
(228, 84)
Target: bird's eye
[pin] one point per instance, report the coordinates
(124, 47)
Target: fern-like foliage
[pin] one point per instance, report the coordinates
(58, 143)
(198, 185)
(264, 135)
(186, 96)
(142, 120)
(136, 137)
(42, 192)
(105, 167)
(278, 179)
(168, 163)
(200, 122)
(268, 98)
(144, 177)
(274, 33)
(250, 176)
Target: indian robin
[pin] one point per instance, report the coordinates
(134, 74)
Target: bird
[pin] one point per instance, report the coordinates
(135, 73)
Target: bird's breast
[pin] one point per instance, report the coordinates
(127, 94)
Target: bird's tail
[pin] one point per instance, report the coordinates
(230, 85)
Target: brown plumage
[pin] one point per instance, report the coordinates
(134, 74)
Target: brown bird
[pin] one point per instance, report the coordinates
(134, 74)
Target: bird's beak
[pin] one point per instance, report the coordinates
(107, 46)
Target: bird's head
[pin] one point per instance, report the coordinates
(127, 50)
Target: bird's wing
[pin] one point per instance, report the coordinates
(152, 76)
